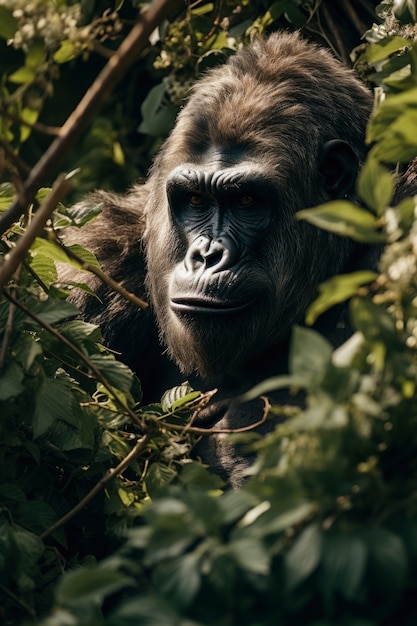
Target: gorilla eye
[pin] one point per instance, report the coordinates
(196, 200)
(247, 200)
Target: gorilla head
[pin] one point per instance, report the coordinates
(230, 270)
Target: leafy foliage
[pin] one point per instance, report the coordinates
(99, 488)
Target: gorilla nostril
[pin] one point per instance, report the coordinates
(213, 258)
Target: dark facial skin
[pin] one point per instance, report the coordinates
(222, 215)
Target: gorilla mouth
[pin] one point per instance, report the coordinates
(207, 306)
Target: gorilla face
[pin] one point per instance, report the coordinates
(230, 270)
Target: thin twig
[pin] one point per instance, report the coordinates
(18, 601)
(223, 431)
(9, 323)
(112, 473)
(77, 122)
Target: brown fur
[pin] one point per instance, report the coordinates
(277, 102)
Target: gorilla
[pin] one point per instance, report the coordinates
(212, 238)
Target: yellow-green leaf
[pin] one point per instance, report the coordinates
(336, 290)
(343, 218)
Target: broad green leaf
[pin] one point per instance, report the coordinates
(158, 476)
(343, 566)
(196, 475)
(116, 373)
(26, 349)
(375, 186)
(251, 555)
(344, 218)
(7, 195)
(55, 252)
(179, 579)
(373, 321)
(52, 310)
(399, 142)
(79, 332)
(388, 560)
(336, 290)
(11, 379)
(45, 268)
(303, 558)
(158, 114)
(148, 610)
(8, 24)
(37, 516)
(82, 213)
(30, 548)
(89, 586)
(174, 395)
(235, 504)
(310, 355)
(55, 400)
(384, 48)
(272, 384)
(275, 519)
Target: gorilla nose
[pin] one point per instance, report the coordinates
(209, 254)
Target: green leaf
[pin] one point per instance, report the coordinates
(158, 114)
(179, 579)
(175, 395)
(373, 321)
(45, 268)
(8, 24)
(344, 218)
(89, 586)
(11, 379)
(116, 373)
(303, 557)
(157, 477)
(36, 55)
(55, 400)
(388, 560)
(343, 566)
(7, 194)
(66, 52)
(310, 355)
(22, 76)
(251, 555)
(82, 213)
(52, 310)
(79, 332)
(375, 186)
(55, 252)
(336, 290)
(384, 48)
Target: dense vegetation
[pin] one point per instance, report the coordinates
(103, 517)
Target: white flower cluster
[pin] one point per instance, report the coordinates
(53, 23)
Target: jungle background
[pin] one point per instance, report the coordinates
(104, 518)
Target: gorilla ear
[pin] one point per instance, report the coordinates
(339, 166)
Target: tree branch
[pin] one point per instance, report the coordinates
(79, 119)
